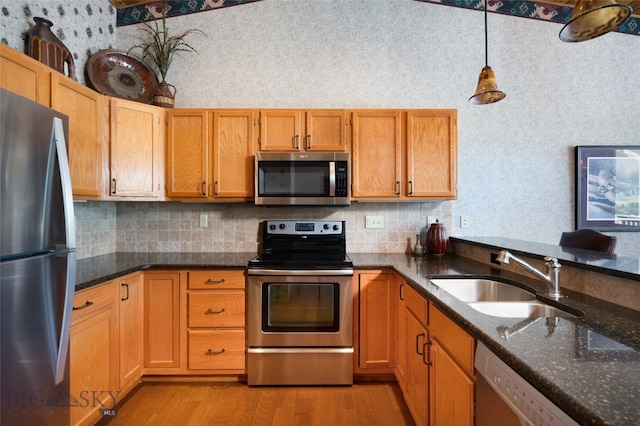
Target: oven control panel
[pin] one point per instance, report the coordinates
(297, 227)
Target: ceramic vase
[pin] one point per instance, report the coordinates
(437, 239)
(42, 45)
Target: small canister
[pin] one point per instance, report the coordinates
(437, 239)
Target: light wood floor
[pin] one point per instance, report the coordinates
(224, 403)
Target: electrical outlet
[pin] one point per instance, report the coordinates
(464, 222)
(374, 222)
(204, 219)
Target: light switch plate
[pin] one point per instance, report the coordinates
(204, 221)
(374, 222)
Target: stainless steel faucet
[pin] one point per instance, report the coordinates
(552, 278)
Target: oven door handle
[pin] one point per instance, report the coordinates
(301, 272)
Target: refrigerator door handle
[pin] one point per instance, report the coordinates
(57, 135)
(65, 325)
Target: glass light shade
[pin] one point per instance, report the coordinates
(591, 19)
(487, 91)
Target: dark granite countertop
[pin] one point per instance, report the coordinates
(588, 365)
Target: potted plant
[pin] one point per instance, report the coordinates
(159, 48)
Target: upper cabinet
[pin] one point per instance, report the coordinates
(88, 113)
(404, 155)
(233, 153)
(210, 154)
(136, 150)
(300, 130)
(24, 75)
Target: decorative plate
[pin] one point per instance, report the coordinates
(114, 73)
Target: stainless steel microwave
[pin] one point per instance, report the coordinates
(297, 178)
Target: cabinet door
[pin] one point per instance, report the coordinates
(280, 130)
(161, 320)
(376, 307)
(451, 391)
(25, 76)
(233, 150)
(432, 154)
(377, 151)
(131, 330)
(93, 353)
(187, 153)
(136, 149)
(326, 130)
(88, 134)
(417, 378)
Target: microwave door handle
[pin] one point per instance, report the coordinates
(332, 178)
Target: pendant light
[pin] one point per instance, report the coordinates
(487, 91)
(591, 19)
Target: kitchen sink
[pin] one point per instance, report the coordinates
(482, 290)
(519, 309)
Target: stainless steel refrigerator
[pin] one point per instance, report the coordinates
(37, 263)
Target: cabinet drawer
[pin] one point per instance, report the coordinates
(216, 349)
(95, 299)
(216, 308)
(216, 279)
(453, 339)
(415, 303)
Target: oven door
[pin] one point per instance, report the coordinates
(295, 309)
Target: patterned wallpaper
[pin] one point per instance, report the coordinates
(84, 26)
(524, 9)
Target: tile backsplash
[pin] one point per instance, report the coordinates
(106, 227)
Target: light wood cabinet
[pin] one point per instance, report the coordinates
(136, 150)
(131, 320)
(303, 130)
(210, 154)
(187, 153)
(88, 113)
(233, 153)
(216, 321)
(404, 155)
(432, 154)
(377, 154)
(162, 303)
(374, 320)
(412, 365)
(452, 381)
(25, 76)
(94, 349)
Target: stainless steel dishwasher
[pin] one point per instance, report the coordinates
(504, 398)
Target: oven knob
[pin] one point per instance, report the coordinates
(325, 226)
(272, 227)
(336, 227)
(282, 226)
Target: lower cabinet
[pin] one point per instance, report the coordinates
(94, 351)
(374, 322)
(131, 319)
(434, 363)
(216, 321)
(162, 303)
(412, 368)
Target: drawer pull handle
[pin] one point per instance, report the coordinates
(424, 351)
(86, 305)
(126, 287)
(210, 281)
(418, 344)
(210, 352)
(212, 312)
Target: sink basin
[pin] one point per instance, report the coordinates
(519, 309)
(482, 290)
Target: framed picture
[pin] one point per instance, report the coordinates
(608, 187)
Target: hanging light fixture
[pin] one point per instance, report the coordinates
(487, 91)
(591, 19)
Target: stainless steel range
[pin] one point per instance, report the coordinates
(300, 306)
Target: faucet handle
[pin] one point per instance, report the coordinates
(551, 262)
